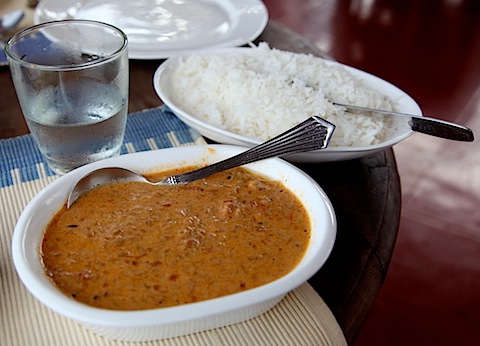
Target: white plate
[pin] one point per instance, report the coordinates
(404, 103)
(160, 29)
(144, 325)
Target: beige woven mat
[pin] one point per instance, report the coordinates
(301, 318)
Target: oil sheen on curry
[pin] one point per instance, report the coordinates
(134, 246)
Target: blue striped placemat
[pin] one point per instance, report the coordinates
(150, 129)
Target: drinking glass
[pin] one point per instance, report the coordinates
(71, 79)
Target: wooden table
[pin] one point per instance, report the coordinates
(365, 194)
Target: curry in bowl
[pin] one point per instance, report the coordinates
(170, 321)
(134, 246)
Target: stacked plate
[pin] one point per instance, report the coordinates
(160, 29)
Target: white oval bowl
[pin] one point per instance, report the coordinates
(144, 325)
(162, 81)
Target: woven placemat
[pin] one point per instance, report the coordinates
(151, 129)
(301, 318)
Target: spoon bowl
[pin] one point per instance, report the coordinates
(312, 134)
(7, 23)
(10, 21)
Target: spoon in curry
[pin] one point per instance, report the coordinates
(312, 134)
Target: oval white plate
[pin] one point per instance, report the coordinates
(155, 324)
(158, 30)
(162, 82)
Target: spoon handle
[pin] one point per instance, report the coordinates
(440, 128)
(312, 134)
(426, 125)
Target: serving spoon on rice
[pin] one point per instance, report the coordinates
(426, 125)
(312, 134)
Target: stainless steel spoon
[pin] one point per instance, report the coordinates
(9, 21)
(312, 134)
(429, 126)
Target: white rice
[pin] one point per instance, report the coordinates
(262, 92)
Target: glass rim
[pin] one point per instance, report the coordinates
(27, 31)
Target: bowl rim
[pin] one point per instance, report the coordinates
(44, 290)
(171, 62)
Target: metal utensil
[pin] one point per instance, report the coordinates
(429, 126)
(312, 134)
(9, 21)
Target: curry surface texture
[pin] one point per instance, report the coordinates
(134, 246)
